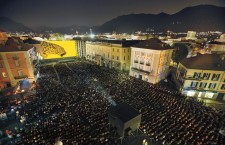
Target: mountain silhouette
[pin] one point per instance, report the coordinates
(11, 26)
(197, 18)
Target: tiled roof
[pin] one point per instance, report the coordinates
(205, 62)
(124, 112)
(31, 41)
(14, 44)
(124, 43)
(153, 43)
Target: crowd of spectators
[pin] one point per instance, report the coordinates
(72, 100)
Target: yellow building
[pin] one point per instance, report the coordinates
(111, 54)
(150, 60)
(202, 76)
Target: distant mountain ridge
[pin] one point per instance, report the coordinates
(11, 26)
(73, 29)
(196, 18)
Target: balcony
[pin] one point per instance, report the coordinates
(20, 77)
(140, 70)
(148, 64)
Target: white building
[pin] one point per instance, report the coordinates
(150, 60)
(191, 35)
(81, 47)
(202, 76)
(222, 38)
(218, 46)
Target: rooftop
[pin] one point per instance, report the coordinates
(153, 43)
(124, 112)
(14, 44)
(205, 62)
(31, 41)
(124, 43)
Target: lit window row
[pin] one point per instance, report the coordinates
(203, 85)
(206, 76)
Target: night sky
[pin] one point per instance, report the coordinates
(88, 12)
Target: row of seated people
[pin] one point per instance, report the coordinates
(72, 101)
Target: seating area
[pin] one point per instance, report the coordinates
(73, 98)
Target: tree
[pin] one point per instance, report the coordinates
(180, 52)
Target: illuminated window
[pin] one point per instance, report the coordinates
(223, 87)
(124, 58)
(206, 76)
(209, 95)
(215, 77)
(196, 75)
(199, 94)
(142, 60)
(202, 85)
(17, 63)
(4, 75)
(146, 78)
(124, 50)
(148, 62)
(212, 86)
(117, 57)
(113, 49)
(137, 53)
(194, 84)
(20, 72)
(148, 54)
(190, 93)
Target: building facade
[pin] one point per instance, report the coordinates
(110, 54)
(16, 62)
(150, 60)
(217, 46)
(191, 35)
(81, 47)
(202, 76)
(3, 37)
